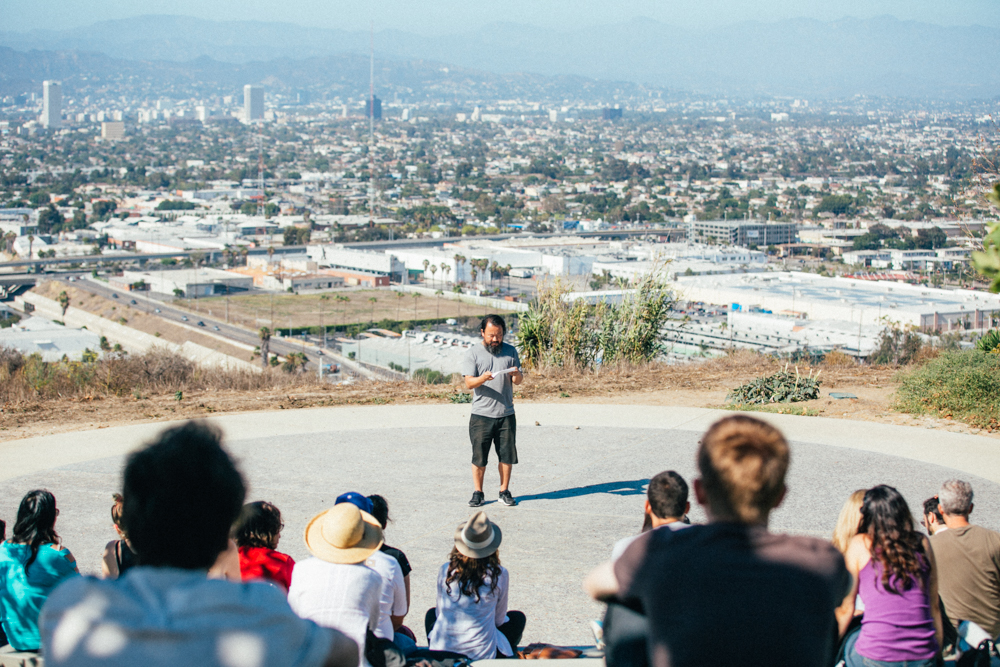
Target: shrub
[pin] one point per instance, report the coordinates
(989, 342)
(557, 332)
(431, 376)
(896, 347)
(782, 387)
(962, 385)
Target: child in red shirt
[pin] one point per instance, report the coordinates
(256, 533)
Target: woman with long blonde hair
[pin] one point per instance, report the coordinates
(848, 521)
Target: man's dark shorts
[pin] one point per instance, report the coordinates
(485, 431)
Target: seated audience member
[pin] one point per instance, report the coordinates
(893, 569)
(334, 588)
(118, 556)
(932, 519)
(380, 510)
(730, 592)
(256, 534)
(32, 564)
(666, 505)
(393, 604)
(182, 494)
(848, 521)
(471, 616)
(968, 559)
(227, 565)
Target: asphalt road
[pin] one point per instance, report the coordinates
(212, 325)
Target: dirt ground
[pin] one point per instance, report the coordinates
(308, 310)
(695, 385)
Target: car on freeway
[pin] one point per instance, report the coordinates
(114, 296)
(200, 323)
(215, 327)
(156, 310)
(184, 318)
(132, 301)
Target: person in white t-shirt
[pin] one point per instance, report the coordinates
(471, 616)
(182, 494)
(334, 588)
(667, 506)
(393, 602)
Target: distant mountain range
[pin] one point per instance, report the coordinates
(806, 58)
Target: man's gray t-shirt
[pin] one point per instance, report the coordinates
(494, 398)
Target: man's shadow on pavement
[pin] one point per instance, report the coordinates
(633, 488)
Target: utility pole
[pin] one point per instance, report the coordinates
(371, 130)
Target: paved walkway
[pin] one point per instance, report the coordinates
(580, 482)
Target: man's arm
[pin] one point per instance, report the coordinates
(516, 376)
(473, 382)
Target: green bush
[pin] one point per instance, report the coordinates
(430, 376)
(782, 387)
(962, 386)
(989, 342)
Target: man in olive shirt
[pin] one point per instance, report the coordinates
(968, 560)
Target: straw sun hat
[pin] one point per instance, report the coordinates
(478, 537)
(343, 534)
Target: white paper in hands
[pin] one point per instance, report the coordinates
(505, 371)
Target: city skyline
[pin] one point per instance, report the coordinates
(447, 16)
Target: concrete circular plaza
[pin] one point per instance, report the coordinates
(580, 483)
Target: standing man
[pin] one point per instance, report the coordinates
(491, 370)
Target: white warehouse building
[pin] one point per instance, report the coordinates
(859, 302)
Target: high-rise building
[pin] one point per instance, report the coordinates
(113, 130)
(51, 104)
(253, 103)
(377, 113)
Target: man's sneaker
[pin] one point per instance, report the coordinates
(477, 499)
(507, 499)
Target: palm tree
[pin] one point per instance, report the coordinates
(343, 311)
(372, 300)
(445, 270)
(474, 270)
(459, 262)
(399, 299)
(265, 345)
(434, 270)
(506, 272)
(322, 298)
(416, 295)
(31, 242)
(427, 263)
(63, 302)
(438, 294)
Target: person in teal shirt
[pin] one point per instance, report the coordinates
(32, 564)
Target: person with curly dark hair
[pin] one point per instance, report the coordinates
(257, 532)
(894, 571)
(471, 616)
(32, 563)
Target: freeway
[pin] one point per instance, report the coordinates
(214, 255)
(218, 328)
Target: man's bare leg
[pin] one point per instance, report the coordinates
(504, 469)
(477, 477)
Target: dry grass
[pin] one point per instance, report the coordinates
(308, 310)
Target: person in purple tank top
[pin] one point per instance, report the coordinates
(894, 572)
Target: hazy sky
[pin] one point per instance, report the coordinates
(434, 17)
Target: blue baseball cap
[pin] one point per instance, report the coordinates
(356, 499)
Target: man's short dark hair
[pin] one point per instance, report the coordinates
(668, 495)
(182, 495)
(931, 507)
(495, 320)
